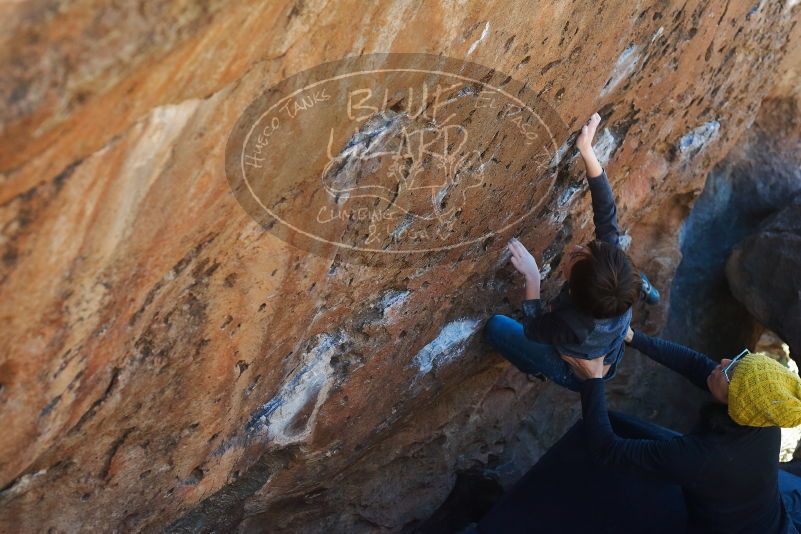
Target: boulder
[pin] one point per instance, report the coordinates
(764, 273)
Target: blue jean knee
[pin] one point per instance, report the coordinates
(508, 337)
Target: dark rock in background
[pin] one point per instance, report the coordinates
(764, 272)
(759, 176)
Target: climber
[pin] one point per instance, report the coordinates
(589, 317)
(728, 465)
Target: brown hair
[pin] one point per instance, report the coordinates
(605, 283)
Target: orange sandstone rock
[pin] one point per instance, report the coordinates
(167, 362)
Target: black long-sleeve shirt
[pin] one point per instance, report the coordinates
(728, 472)
(604, 210)
(563, 324)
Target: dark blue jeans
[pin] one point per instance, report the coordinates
(790, 489)
(506, 335)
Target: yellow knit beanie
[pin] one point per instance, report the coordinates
(763, 392)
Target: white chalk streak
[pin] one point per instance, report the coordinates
(448, 344)
(308, 383)
(480, 39)
(624, 67)
(692, 142)
(604, 146)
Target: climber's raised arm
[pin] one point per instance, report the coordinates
(603, 200)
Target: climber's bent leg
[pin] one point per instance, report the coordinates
(506, 335)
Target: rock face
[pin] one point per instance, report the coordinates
(764, 272)
(166, 363)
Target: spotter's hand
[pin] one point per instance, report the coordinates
(586, 369)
